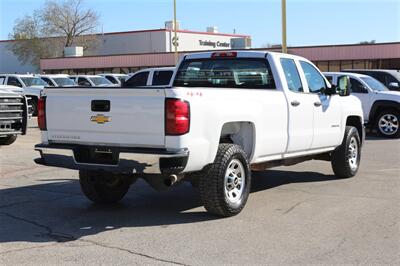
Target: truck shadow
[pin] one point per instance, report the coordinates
(56, 211)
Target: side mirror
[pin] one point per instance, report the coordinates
(343, 87)
(394, 85)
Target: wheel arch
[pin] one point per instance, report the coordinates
(357, 122)
(242, 133)
(379, 106)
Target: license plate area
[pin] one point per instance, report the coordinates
(96, 155)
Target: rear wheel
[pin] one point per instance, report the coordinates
(387, 123)
(225, 184)
(346, 158)
(103, 187)
(8, 140)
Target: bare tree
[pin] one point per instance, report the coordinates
(48, 30)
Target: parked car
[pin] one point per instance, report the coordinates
(14, 89)
(91, 81)
(390, 78)
(152, 77)
(58, 80)
(117, 79)
(381, 107)
(13, 115)
(226, 114)
(31, 85)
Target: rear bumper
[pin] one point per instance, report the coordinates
(113, 159)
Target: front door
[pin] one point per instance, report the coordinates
(326, 109)
(300, 125)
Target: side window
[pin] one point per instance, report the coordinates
(48, 81)
(13, 81)
(356, 86)
(291, 74)
(138, 80)
(2, 80)
(315, 81)
(378, 76)
(112, 79)
(161, 78)
(84, 82)
(329, 78)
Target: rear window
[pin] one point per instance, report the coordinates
(162, 77)
(226, 73)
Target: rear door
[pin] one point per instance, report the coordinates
(104, 116)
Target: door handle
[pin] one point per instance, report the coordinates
(317, 104)
(295, 103)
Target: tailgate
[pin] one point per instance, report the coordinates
(106, 116)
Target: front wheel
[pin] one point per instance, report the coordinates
(346, 158)
(225, 185)
(103, 187)
(8, 140)
(388, 123)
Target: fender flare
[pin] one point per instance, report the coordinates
(378, 105)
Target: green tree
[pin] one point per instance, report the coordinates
(48, 30)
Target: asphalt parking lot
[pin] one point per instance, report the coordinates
(295, 215)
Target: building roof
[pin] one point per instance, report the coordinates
(313, 53)
(165, 30)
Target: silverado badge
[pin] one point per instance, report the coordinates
(100, 119)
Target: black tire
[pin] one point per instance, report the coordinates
(391, 113)
(8, 140)
(342, 159)
(34, 103)
(212, 183)
(103, 187)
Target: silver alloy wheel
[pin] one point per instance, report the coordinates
(388, 124)
(353, 153)
(235, 178)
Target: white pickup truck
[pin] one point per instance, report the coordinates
(32, 86)
(226, 114)
(13, 115)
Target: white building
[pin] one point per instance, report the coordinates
(142, 42)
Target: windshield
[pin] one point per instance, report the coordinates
(98, 81)
(64, 82)
(33, 81)
(374, 84)
(226, 73)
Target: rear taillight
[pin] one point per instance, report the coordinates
(42, 113)
(177, 117)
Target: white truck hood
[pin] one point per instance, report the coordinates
(33, 90)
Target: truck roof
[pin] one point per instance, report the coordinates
(239, 54)
(346, 73)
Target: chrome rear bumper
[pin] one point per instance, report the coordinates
(113, 159)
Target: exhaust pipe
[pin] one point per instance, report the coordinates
(171, 180)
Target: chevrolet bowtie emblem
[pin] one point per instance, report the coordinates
(100, 119)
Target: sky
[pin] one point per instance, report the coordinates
(309, 22)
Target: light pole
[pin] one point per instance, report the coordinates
(284, 45)
(175, 42)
